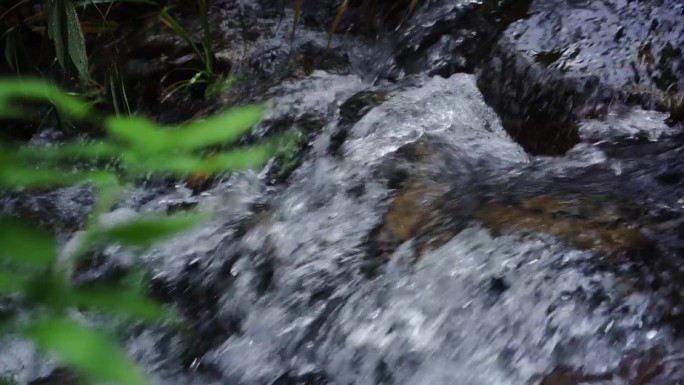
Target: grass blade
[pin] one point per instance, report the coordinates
(56, 30)
(412, 6)
(336, 22)
(206, 30)
(295, 20)
(178, 29)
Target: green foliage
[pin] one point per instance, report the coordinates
(148, 230)
(15, 249)
(64, 30)
(31, 272)
(204, 53)
(92, 353)
(14, 90)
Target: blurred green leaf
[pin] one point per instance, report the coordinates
(147, 230)
(161, 164)
(24, 244)
(91, 352)
(25, 177)
(86, 151)
(12, 89)
(125, 302)
(147, 138)
(138, 132)
(223, 128)
(10, 283)
(243, 158)
(185, 165)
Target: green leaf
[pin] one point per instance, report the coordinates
(24, 244)
(56, 30)
(126, 302)
(115, 89)
(68, 151)
(90, 352)
(161, 164)
(34, 89)
(147, 138)
(18, 177)
(240, 159)
(223, 128)
(76, 41)
(204, 21)
(147, 230)
(138, 132)
(10, 283)
(15, 50)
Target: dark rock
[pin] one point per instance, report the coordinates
(444, 38)
(59, 376)
(568, 60)
(303, 379)
(624, 43)
(351, 111)
(198, 297)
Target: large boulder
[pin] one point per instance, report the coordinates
(567, 60)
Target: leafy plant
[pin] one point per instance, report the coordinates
(64, 30)
(203, 52)
(34, 277)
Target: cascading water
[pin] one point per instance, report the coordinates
(418, 243)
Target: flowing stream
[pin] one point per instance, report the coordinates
(421, 240)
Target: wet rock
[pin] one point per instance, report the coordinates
(269, 67)
(624, 43)
(451, 156)
(410, 212)
(443, 38)
(626, 124)
(584, 224)
(61, 211)
(59, 376)
(568, 60)
(305, 379)
(566, 376)
(536, 106)
(635, 368)
(351, 111)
